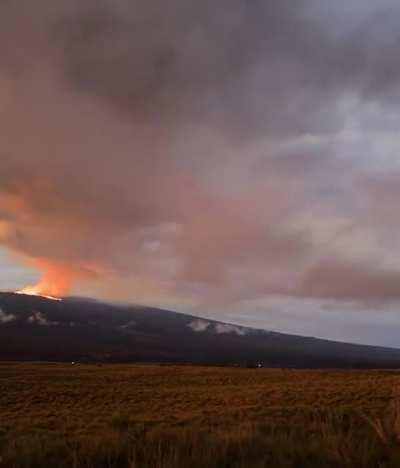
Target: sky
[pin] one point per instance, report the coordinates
(234, 159)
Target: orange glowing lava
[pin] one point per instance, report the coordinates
(55, 283)
(34, 291)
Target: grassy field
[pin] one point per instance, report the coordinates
(58, 415)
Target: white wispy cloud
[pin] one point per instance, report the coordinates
(199, 325)
(38, 318)
(6, 318)
(222, 328)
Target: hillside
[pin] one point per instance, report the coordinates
(36, 328)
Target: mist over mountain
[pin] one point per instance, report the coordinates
(76, 329)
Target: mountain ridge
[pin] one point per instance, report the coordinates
(82, 329)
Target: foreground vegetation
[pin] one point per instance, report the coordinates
(58, 415)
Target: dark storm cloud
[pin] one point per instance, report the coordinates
(189, 60)
(249, 66)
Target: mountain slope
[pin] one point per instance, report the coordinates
(35, 328)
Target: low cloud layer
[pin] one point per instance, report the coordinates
(198, 155)
(6, 318)
(222, 328)
(199, 325)
(39, 318)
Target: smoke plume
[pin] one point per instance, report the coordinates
(197, 153)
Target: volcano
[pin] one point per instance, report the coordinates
(39, 328)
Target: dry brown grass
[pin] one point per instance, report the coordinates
(172, 416)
